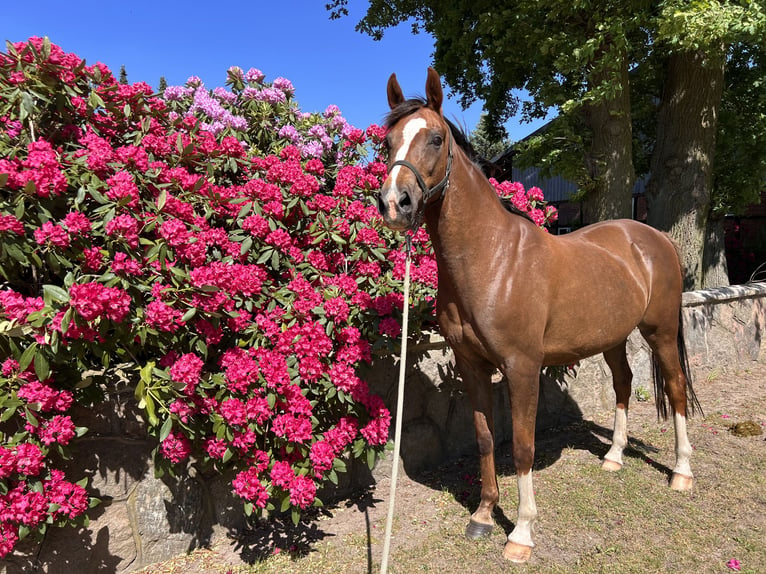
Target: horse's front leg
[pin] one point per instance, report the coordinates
(477, 378)
(523, 377)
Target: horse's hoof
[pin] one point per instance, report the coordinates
(476, 530)
(516, 552)
(681, 482)
(610, 465)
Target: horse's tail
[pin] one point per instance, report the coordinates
(692, 403)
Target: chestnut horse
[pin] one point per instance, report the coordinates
(515, 298)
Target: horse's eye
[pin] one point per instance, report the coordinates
(437, 140)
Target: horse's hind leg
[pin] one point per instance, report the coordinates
(622, 376)
(477, 379)
(665, 347)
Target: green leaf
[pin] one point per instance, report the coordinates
(10, 410)
(27, 356)
(42, 367)
(167, 426)
(150, 409)
(31, 419)
(146, 373)
(55, 293)
(161, 199)
(246, 245)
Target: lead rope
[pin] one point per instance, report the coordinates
(399, 411)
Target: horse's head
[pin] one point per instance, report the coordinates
(420, 155)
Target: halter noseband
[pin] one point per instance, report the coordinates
(428, 193)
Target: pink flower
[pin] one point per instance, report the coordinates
(92, 258)
(215, 448)
(10, 367)
(322, 456)
(72, 499)
(15, 306)
(337, 309)
(282, 474)
(302, 491)
(248, 486)
(187, 370)
(77, 223)
(389, 326)
(53, 234)
(182, 410)
(7, 462)
(294, 429)
(8, 538)
(176, 447)
(344, 377)
(233, 411)
(163, 317)
(122, 189)
(42, 168)
(126, 227)
(59, 429)
(8, 223)
(94, 300)
(733, 564)
(48, 398)
(174, 232)
(125, 265)
(29, 459)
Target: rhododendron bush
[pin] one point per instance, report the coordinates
(215, 248)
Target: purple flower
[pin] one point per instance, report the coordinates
(290, 132)
(284, 85)
(312, 149)
(332, 110)
(254, 76)
(225, 95)
(176, 93)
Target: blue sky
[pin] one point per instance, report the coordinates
(327, 61)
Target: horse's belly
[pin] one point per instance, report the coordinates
(572, 345)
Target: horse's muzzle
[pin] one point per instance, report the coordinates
(396, 207)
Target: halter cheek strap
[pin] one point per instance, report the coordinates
(428, 193)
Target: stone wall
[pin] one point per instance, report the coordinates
(143, 519)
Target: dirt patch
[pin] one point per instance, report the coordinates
(589, 520)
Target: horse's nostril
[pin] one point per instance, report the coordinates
(405, 203)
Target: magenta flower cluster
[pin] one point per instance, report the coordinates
(217, 248)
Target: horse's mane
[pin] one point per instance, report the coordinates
(409, 107)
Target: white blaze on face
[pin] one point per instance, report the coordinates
(409, 132)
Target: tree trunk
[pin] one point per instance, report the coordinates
(610, 158)
(678, 191)
(715, 272)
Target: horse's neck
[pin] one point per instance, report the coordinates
(470, 223)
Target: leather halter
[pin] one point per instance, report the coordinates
(428, 193)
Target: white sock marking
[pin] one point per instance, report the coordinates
(683, 447)
(619, 437)
(522, 533)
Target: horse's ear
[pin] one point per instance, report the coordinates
(434, 93)
(394, 91)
